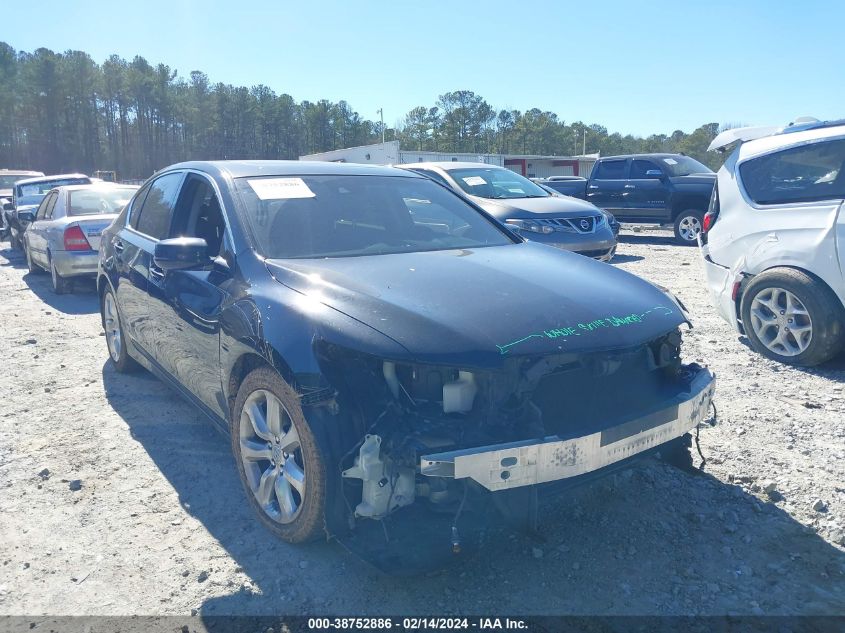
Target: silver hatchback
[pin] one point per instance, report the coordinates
(63, 236)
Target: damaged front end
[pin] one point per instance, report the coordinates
(428, 435)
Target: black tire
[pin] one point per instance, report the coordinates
(683, 229)
(120, 358)
(309, 523)
(60, 285)
(14, 240)
(824, 308)
(31, 265)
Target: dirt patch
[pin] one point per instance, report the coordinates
(118, 497)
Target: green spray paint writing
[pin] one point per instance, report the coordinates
(565, 332)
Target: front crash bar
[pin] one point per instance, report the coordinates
(527, 462)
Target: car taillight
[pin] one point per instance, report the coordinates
(75, 239)
(709, 219)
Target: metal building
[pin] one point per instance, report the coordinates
(531, 166)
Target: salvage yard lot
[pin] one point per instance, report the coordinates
(160, 524)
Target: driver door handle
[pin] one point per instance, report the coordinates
(630, 186)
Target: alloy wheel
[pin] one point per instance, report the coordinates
(781, 321)
(689, 227)
(271, 455)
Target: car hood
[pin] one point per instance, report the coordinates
(553, 207)
(476, 308)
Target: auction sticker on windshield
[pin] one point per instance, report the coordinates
(280, 188)
(473, 181)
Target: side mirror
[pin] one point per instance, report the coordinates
(181, 253)
(8, 205)
(654, 173)
(26, 216)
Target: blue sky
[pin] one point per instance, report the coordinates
(634, 67)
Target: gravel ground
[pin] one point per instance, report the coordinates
(119, 498)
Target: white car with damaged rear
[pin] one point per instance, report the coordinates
(63, 236)
(773, 240)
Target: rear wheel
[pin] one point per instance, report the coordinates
(115, 339)
(280, 464)
(688, 226)
(14, 239)
(61, 285)
(792, 317)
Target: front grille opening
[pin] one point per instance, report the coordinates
(605, 391)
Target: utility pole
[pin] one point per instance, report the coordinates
(584, 148)
(381, 114)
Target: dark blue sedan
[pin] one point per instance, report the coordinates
(372, 341)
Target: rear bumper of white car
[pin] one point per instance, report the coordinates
(516, 464)
(720, 283)
(75, 263)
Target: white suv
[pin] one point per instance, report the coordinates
(773, 239)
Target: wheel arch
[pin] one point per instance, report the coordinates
(248, 361)
(685, 202)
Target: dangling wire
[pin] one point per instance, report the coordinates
(711, 422)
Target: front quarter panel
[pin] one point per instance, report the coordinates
(285, 328)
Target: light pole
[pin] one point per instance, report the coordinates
(381, 114)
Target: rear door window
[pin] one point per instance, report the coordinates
(799, 174)
(153, 216)
(44, 206)
(611, 170)
(640, 169)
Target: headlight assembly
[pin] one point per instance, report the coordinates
(534, 226)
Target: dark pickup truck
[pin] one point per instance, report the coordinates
(647, 188)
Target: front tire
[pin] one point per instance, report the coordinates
(280, 464)
(30, 265)
(688, 225)
(115, 339)
(793, 318)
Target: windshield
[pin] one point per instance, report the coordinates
(495, 182)
(34, 192)
(684, 166)
(96, 201)
(345, 216)
(8, 181)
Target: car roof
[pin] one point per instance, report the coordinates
(30, 181)
(94, 186)
(653, 155)
(772, 142)
(20, 172)
(449, 165)
(256, 168)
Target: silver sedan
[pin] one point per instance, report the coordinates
(63, 236)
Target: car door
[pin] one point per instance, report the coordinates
(36, 233)
(647, 191)
(606, 187)
(185, 305)
(148, 222)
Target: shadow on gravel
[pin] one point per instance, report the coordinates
(647, 238)
(14, 256)
(625, 259)
(834, 369)
(649, 540)
(83, 299)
